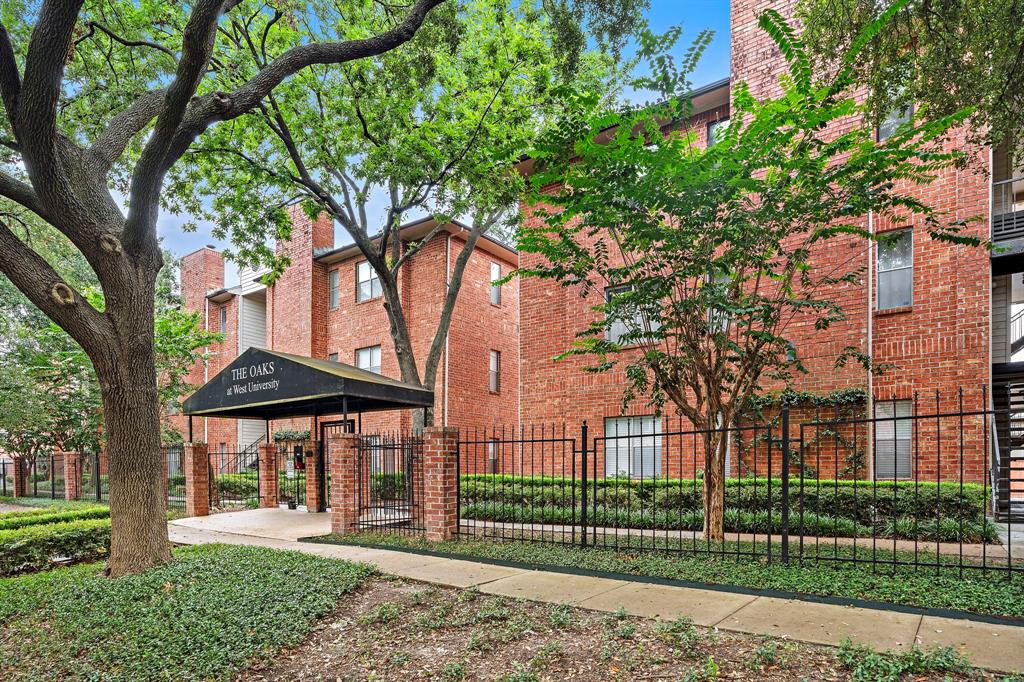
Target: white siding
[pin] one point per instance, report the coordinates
(250, 431)
(252, 323)
(1001, 318)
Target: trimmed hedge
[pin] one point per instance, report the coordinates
(42, 516)
(34, 548)
(848, 508)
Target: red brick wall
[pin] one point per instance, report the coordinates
(940, 344)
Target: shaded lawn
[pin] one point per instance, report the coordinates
(991, 593)
(47, 503)
(208, 614)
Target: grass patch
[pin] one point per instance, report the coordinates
(206, 615)
(35, 517)
(991, 594)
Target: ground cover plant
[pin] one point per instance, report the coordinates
(398, 630)
(50, 504)
(206, 615)
(907, 510)
(974, 591)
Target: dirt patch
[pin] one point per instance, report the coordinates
(398, 630)
(12, 508)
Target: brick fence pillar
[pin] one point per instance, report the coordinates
(197, 480)
(313, 502)
(72, 475)
(343, 451)
(21, 469)
(268, 476)
(440, 469)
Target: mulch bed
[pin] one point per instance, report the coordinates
(392, 629)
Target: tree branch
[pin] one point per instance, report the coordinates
(112, 142)
(34, 277)
(10, 79)
(93, 25)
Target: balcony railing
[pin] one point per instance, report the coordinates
(1008, 209)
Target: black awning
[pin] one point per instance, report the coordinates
(266, 384)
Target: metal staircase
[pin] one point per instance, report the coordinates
(1017, 332)
(1008, 452)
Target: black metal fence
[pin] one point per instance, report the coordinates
(913, 484)
(46, 475)
(389, 483)
(292, 458)
(6, 478)
(174, 459)
(234, 478)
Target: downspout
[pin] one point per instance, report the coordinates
(871, 346)
(206, 366)
(447, 282)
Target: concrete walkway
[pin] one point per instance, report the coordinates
(993, 646)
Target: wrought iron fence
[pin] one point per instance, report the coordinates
(292, 458)
(234, 478)
(910, 485)
(46, 475)
(174, 465)
(6, 478)
(389, 483)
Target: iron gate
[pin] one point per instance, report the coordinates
(389, 483)
(291, 474)
(234, 479)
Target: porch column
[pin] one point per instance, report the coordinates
(440, 469)
(313, 501)
(343, 451)
(197, 480)
(21, 469)
(72, 475)
(268, 476)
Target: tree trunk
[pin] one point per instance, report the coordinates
(131, 414)
(715, 443)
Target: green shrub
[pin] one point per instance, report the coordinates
(244, 484)
(846, 508)
(388, 486)
(33, 548)
(42, 516)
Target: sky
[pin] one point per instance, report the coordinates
(692, 15)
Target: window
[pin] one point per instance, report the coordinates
(718, 319)
(368, 358)
(893, 439)
(716, 130)
(632, 446)
(495, 288)
(494, 374)
(896, 270)
(492, 456)
(626, 321)
(335, 293)
(333, 357)
(223, 319)
(888, 127)
(367, 282)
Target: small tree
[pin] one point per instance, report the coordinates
(712, 250)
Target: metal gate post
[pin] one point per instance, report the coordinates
(785, 484)
(583, 485)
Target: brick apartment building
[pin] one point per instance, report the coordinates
(943, 316)
(327, 304)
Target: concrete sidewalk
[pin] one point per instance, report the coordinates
(993, 646)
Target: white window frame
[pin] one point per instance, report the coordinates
(334, 287)
(366, 274)
(371, 351)
(713, 126)
(632, 446)
(893, 440)
(494, 371)
(879, 271)
(618, 328)
(495, 288)
(892, 121)
(223, 319)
